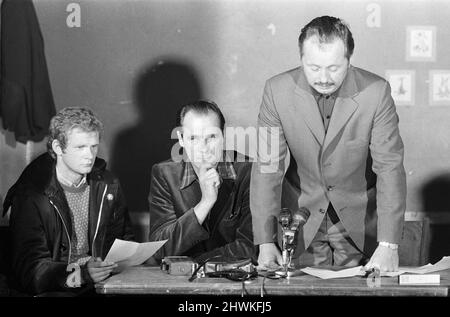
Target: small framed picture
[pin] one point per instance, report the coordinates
(402, 86)
(440, 87)
(421, 43)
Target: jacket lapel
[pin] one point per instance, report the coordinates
(342, 111)
(59, 201)
(307, 106)
(95, 202)
(344, 107)
(56, 195)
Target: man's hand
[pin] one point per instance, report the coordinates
(269, 257)
(209, 181)
(99, 270)
(384, 258)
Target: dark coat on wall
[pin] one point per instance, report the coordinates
(26, 100)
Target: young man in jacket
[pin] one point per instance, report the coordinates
(201, 203)
(67, 210)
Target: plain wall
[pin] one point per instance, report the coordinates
(135, 62)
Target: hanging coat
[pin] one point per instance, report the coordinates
(26, 100)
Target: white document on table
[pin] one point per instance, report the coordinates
(129, 253)
(327, 274)
(443, 264)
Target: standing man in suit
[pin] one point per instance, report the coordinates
(340, 126)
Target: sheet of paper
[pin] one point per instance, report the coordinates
(131, 253)
(443, 264)
(327, 274)
(393, 274)
(121, 250)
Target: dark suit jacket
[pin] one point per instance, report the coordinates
(357, 166)
(227, 231)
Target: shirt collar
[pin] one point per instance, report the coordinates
(225, 170)
(64, 181)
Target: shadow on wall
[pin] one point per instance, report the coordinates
(159, 91)
(436, 194)
(436, 199)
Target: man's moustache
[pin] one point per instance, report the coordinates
(324, 85)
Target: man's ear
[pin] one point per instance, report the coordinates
(180, 138)
(56, 146)
(300, 56)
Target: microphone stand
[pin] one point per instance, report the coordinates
(288, 247)
(290, 224)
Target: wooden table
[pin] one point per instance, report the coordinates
(151, 280)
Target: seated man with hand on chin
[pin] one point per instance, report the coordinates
(201, 203)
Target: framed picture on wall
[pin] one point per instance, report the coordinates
(421, 43)
(440, 87)
(402, 86)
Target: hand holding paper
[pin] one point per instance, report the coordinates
(99, 270)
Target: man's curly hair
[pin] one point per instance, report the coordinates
(68, 119)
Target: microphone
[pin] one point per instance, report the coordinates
(290, 223)
(285, 218)
(299, 218)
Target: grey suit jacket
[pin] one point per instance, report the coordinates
(357, 165)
